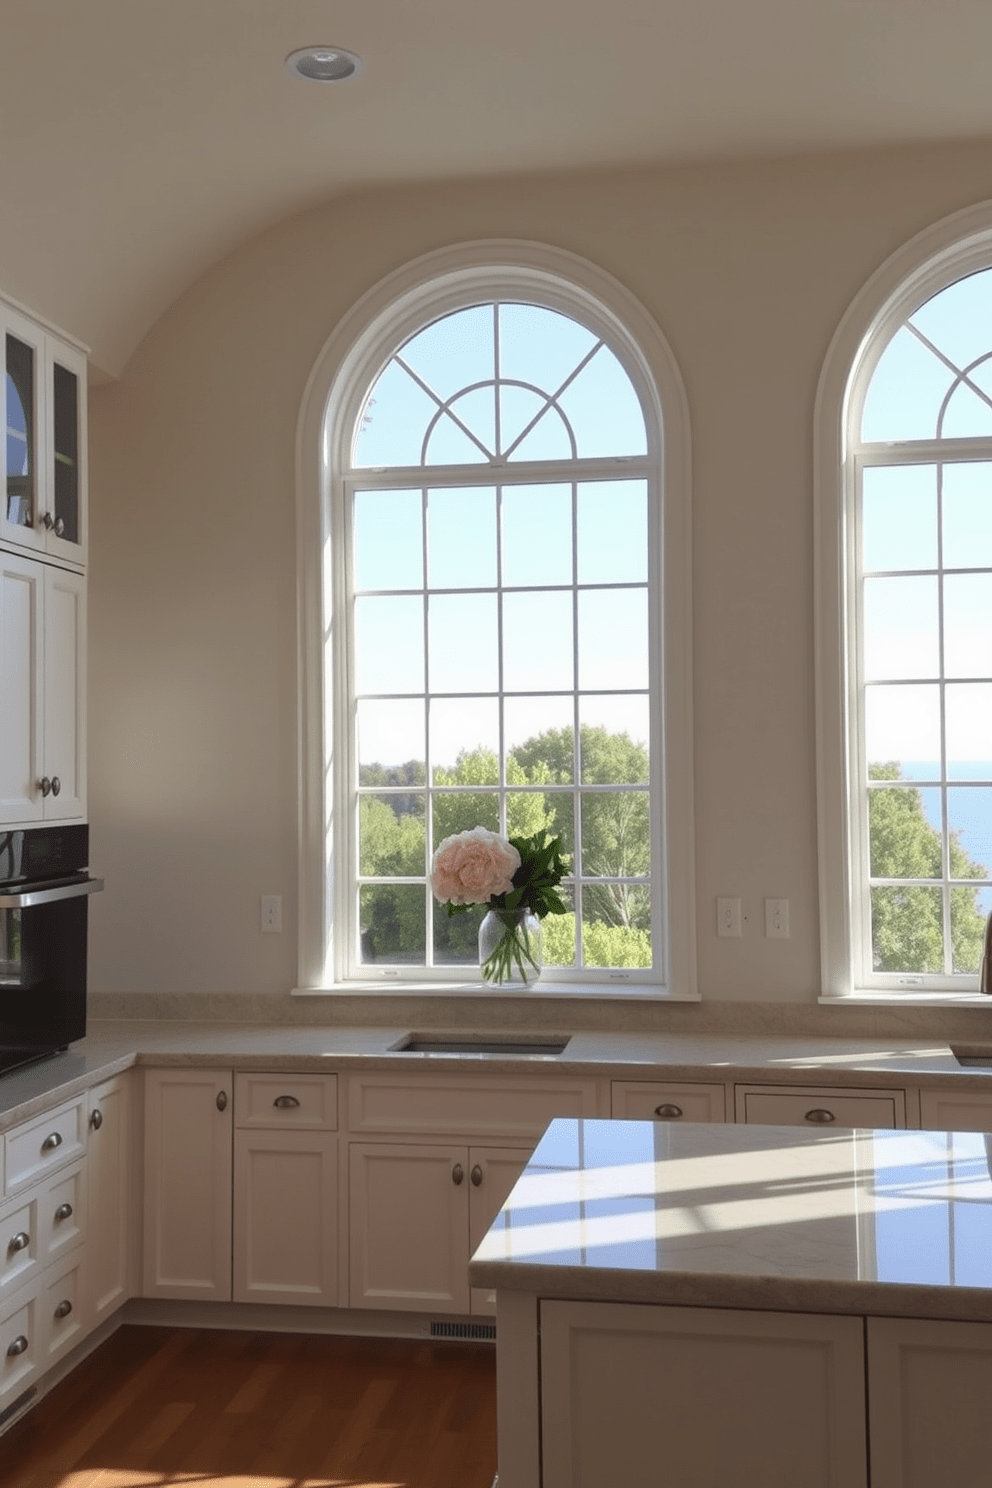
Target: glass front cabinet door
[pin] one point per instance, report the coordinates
(44, 504)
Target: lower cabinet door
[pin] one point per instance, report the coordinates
(61, 1303)
(285, 1217)
(187, 1184)
(492, 1173)
(929, 1387)
(707, 1397)
(408, 1226)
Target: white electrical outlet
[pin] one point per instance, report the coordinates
(777, 919)
(272, 913)
(728, 917)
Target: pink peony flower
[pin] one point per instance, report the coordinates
(469, 867)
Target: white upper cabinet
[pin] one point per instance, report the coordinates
(44, 401)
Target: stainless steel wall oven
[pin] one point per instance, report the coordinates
(45, 886)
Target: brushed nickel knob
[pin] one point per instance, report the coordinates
(56, 785)
(96, 1119)
(48, 521)
(45, 785)
(457, 1174)
(59, 527)
(476, 1176)
(20, 1241)
(64, 1308)
(222, 1100)
(19, 1346)
(64, 1211)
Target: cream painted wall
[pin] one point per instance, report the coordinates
(746, 267)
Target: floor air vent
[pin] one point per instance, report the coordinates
(464, 1330)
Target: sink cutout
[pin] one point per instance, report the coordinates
(426, 1043)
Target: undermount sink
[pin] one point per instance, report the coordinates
(973, 1061)
(547, 1047)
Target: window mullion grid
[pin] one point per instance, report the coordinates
(945, 849)
(501, 693)
(428, 748)
(861, 860)
(577, 895)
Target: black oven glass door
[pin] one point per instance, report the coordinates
(43, 964)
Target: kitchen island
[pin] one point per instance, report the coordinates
(702, 1304)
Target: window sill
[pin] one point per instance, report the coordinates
(908, 999)
(612, 991)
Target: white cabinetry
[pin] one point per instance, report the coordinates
(42, 692)
(747, 1397)
(43, 511)
(286, 1189)
(110, 1198)
(187, 1184)
(818, 1106)
(647, 1100)
(955, 1110)
(430, 1162)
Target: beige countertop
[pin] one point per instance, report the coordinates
(895, 1223)
(111, 1047)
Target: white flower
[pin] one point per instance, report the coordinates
(469, 867)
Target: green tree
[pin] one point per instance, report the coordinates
(907, 919)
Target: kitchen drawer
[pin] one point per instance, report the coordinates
(20, 1345)
(42, 1145)
(810, 1105)
(274, 1101)
(40, 1225)
(60, 1310)
(467, 1107)
(955, 1110)
(646, 1100)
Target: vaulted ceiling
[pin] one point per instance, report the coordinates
(142, 139)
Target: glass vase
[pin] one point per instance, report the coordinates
(511, 947)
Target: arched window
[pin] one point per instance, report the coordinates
(906, 626)
(493, 598)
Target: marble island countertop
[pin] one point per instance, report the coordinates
(894, 1223)
(113, 1046)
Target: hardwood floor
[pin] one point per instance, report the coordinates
(212, 1409)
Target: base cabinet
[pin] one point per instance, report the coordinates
(416, 1212)
(110, 1193)
(929, 1386)
(187, 1197)
(717, 1396)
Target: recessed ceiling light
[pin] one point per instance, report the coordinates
(323, 64)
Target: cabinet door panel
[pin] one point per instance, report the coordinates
(492, 1173)
(65, 711)
(109, 1268)
(408, 1226)
(929, 1385)
(21, 684)
(188, 1162)
(285, 1217)
(637, 1394)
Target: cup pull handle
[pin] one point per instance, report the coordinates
(51, 1142)
(668, 1112)
(19, 1346)
(20, 1241)
(63, 1310)
(286, 1103)
(820, 1116)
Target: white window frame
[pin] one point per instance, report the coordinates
(937, 257)
(408, 299)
